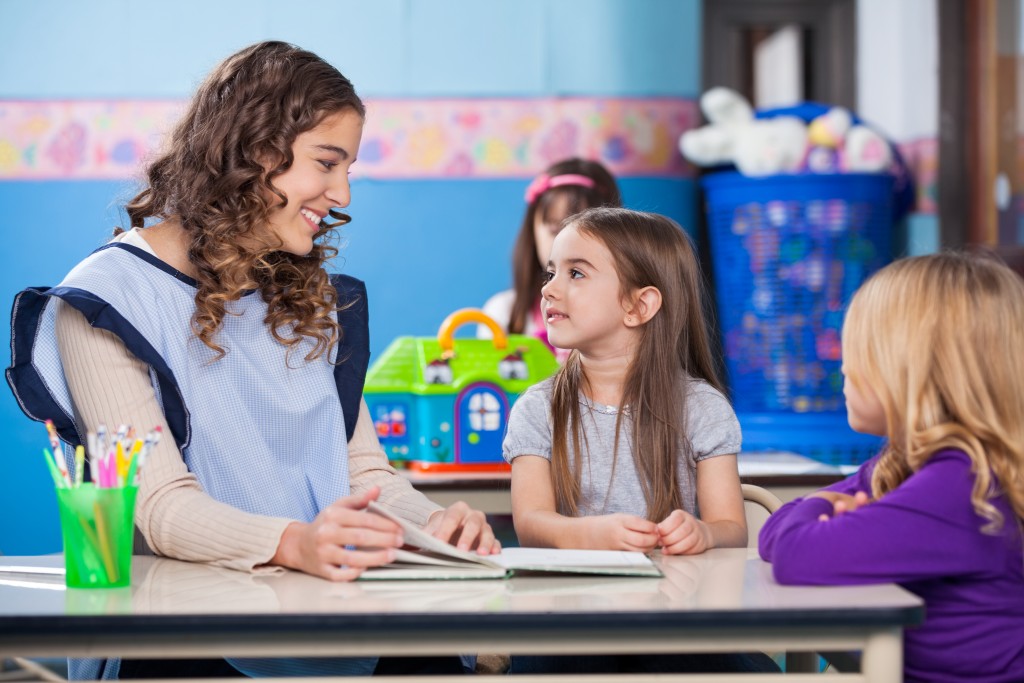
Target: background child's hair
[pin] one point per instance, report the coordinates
(940, 340)
(648, 251)
(213, 176)
(527, 272)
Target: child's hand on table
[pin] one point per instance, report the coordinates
(621, 531)
(683, 534)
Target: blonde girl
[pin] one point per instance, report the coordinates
(932, 357)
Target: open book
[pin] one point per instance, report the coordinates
(435, 559)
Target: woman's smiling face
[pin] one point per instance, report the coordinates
(317, 180)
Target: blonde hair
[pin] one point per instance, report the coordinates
(940, 340)
(648, 251)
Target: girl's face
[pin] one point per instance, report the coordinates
(581, 301)
(544, 231)
(863, 409)
(317, 180)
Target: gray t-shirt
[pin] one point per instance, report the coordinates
(710, 424)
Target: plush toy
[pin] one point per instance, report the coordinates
(769, 146)
(756, 146)
(830, 143)
(866, 151)
(836, 144)
(825, 136)
(714, 144)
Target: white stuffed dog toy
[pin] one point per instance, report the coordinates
(756, 146)
(785, 144)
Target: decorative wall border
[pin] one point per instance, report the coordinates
(457, 138)
(461, 138)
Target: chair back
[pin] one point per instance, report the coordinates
(758, 503)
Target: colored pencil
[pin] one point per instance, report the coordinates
(104, 539)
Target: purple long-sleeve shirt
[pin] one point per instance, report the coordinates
(926, 537)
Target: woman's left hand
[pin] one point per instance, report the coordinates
(463, 527)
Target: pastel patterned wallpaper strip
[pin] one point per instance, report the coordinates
(79, 139)
(458, 138)
(465, 138)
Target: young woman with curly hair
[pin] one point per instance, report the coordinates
(215, 318)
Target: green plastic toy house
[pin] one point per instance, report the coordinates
(442, 404)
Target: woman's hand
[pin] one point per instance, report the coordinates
(322, 547)
(683, 534)
(842, 502)
(620, 531)
(463, 527)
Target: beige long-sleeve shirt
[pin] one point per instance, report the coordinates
(178, 519)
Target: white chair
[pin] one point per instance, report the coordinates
(758, 503)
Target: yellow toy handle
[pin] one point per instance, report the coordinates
(445, 333)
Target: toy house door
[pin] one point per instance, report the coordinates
(481, 412)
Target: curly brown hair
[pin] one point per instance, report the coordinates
(215, 177)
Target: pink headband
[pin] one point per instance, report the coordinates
(544, 182)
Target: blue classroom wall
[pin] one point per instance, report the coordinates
(424, 248)
(56, 49)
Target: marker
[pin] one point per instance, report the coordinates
(58, 480)
(58, 454)
(79, 465)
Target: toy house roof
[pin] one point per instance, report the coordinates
(400, 367)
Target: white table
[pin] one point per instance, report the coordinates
(724, 600)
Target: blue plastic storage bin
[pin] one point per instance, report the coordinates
(788, 252)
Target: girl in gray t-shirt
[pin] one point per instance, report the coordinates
(631, 445)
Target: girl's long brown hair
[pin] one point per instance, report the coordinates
(939, 341)
(216, 174)
(648, 251)
(527, 272)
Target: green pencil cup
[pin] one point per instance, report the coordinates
(98, 526)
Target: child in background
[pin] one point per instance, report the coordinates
(633, 435)
(215, 317)
(932, 359)
(565, 188)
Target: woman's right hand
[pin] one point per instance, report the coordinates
(620, 531)
(322, 547)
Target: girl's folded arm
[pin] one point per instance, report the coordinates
(858, 481)
(891, 539)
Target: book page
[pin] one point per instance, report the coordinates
(418, 538)
(555, 559)
(438, 557)
(400, 571)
